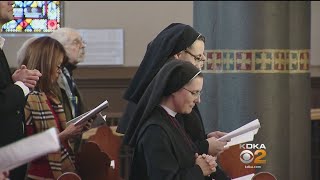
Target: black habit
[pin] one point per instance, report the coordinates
(162, 150)
(162, 153)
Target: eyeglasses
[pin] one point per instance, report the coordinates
(196, 58)
(194, 93)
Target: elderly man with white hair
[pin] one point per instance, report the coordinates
(75, 48)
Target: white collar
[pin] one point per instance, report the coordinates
(169, 111)
(1, 42)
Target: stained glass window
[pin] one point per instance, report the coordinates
(34, 16)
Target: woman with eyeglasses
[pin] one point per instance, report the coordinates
(182, 42)
(162, 148)
(44, 108)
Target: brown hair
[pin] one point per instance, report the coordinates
(43, 54)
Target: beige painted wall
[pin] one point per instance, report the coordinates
(141, 21)
(315, 32)
(315, 39)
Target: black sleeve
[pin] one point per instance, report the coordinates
(161, 161)
(11, 97)
(220, 174)
(124, 121)
(203, 146)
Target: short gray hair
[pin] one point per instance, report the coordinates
(22, 51)
(63, 35)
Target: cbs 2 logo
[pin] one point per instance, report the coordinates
(246, 156)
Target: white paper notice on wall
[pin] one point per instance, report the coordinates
(103, 46)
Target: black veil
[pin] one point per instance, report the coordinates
(170, 41)
(172, 77)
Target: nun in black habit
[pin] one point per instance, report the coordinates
(163, 150)
(170, 41)
(173, 39)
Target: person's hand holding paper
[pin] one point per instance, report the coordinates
(71, 131)
(216, 134)
(216, 147)
(243, 134)
(88, 124)
(92, 114)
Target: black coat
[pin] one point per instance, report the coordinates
(12, 102)
(162, 152)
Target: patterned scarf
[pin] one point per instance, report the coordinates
(70, 88)
(42, 116)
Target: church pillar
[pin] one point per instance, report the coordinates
(258, 68)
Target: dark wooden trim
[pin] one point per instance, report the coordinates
(315, 82)
(102, 83)
(103, 73)
(315, 92)
(96, 83)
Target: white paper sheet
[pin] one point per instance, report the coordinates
(243, 134)
(29, 148)
(90, 114)
(246, 177)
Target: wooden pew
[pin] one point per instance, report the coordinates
(98, 158)
(264, 176)
(230, 162)
(69, 176)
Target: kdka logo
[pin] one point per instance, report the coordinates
(255, 153)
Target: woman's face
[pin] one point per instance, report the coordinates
(193, 54)
(57, 69)
(188, 96)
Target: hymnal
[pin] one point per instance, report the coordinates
(243, 134)
(90, 114)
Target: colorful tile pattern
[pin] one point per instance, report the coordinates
(257, 61)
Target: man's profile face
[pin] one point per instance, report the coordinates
(75, 49)
(6, 11)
